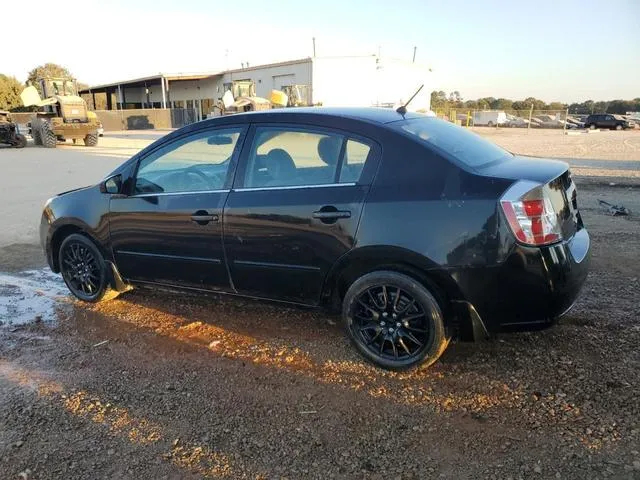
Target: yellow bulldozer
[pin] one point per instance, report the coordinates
(61, 114)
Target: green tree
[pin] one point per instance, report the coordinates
(439, 100)
(10, 89)
(502, 104)
(46, 70)
(557, 106)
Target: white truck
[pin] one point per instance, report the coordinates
(489, 118)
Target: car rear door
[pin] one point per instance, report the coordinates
(294, 209)
(168, 230)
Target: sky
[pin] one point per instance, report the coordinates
(555, 50)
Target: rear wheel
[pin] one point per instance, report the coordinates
(592, 127)
(21, 141)
(83, 268)
(91, 139)
(394, 321)
(35, 133)
(490, 124)
(49, 139)
(619, 127)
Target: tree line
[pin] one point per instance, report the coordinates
(10, 87)
(442, 102)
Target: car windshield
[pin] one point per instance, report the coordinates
(467, 147)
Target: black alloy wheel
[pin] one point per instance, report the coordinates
(394, 321)
(83, 268)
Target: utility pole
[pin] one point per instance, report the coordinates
(314, 46)
(414, 54)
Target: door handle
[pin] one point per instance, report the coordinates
(331, 214)
(337, 214)
(202, 217)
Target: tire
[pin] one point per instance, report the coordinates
(91, 139)
(619, 127)
(49, 138)
(394, 332)
(83, 268)
(490, 124)
(21, 141)
(35, 133)
(592, 127)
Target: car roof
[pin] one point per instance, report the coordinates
(366, 114)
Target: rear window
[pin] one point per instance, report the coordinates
(465, 146)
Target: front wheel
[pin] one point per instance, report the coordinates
(91, 139)
(592, 127)
(83, 268)
(20, 142)
(394, 321)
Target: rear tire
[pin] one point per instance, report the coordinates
(394, 321)
(592, 127)
(490, 124)
(619, 127)
(49, 138)
(35, 133)
(83, 268)
(21, 141)
(91, 139)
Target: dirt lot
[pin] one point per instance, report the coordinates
(166, 385)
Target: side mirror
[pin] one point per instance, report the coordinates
(112, 184)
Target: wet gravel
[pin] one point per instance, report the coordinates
(157, 385)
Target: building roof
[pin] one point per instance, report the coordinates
(191, 76)
(157, 77)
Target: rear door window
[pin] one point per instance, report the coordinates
(295, 156)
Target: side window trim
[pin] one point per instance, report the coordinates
(233, 164)
(367, 176)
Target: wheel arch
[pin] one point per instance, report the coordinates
(62, 232)
(361, 261)
(115, 280)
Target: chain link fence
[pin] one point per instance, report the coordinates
(525, 119)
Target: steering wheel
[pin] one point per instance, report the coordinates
(203, 180)
(215, 180)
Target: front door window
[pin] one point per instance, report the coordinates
(197, 163)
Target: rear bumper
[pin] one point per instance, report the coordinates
(531, 288)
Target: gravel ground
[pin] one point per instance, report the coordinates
(156, 384)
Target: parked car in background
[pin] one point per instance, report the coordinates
(519, 122)
(610, 121)
(489, 118)
(417, 230)
(573, 122)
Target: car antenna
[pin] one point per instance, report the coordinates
(402, 109)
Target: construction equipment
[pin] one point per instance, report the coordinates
(9, 131)
(62, 114)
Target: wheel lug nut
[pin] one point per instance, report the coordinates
(394, 316)
(382, 324)
(391, 330)
(398, 324)
(385, 314)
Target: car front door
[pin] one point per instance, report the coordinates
(168, 229)
(294, 209)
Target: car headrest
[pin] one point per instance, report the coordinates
(329, 150)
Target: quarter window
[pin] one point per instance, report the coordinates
(196, 163)
(355, 156)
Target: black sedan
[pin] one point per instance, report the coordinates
(416, 229)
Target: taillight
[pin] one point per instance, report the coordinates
(530, 213)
